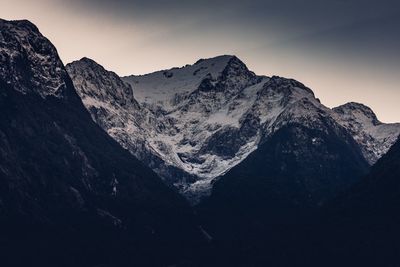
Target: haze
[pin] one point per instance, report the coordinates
(343, 50)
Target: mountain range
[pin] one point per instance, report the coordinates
(204, 165)
(193, 124)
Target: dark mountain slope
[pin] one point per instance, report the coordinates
(69, 194)
(362, 225)
(261, 207)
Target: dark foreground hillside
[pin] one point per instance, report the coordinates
(362, 225)
(359, 227)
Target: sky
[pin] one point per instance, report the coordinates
(344, 50)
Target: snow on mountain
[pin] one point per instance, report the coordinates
(170, 88)
(374, 137)
(24, 51)
(194, 123)
(111, 104)
(165, 139)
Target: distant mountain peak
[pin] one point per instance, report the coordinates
(93, 81)
(219, 65)
(227, 64)
(225, 58)
(88, 61)
(353, 109)
(287, 86)
(176, 87)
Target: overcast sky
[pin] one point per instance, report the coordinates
(345, 50)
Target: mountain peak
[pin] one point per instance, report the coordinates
(22, 24)
(86, 62)
(221, 58)
(25, 52)
(217, 65)
(172, 87)
(223, 63)
(357, 111)
(93, 81)
(288, 88)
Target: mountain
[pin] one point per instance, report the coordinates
(69, 194)
(203, 119)
(207, 104)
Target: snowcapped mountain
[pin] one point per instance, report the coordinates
(200, 120)
(203, 102)
(374, 137)
(221, 110)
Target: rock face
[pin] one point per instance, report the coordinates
(193, 124)
(64, 181)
